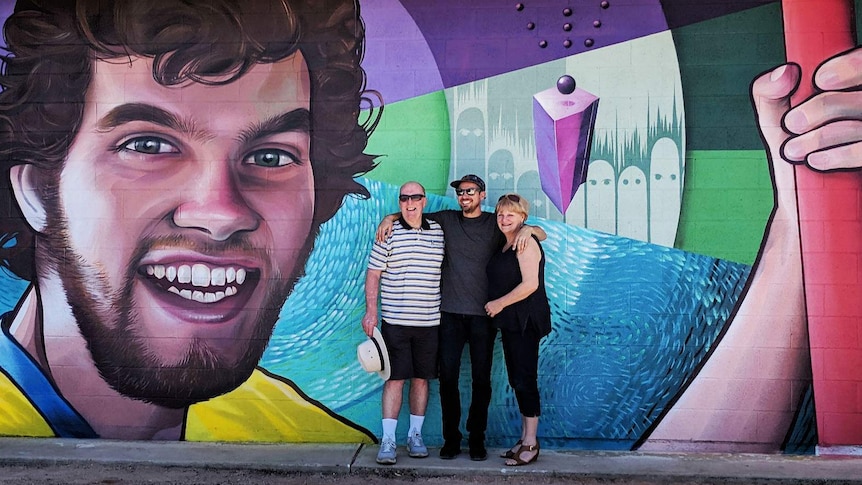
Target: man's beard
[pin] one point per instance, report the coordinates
(108, 321)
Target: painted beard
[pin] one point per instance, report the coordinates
(107, 320)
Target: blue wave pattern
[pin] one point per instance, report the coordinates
(632, 321)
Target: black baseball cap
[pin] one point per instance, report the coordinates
(470, 178)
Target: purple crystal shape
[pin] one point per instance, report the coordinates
(564, 126)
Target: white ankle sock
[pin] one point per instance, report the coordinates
(389, 426)
(416, 424)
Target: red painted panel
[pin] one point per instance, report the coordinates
(814, 31)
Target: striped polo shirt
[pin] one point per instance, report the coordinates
(410, 260)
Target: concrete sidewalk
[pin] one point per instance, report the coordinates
(357, 459)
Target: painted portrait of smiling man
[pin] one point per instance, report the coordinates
(170, 165)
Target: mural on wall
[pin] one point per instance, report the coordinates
(184, 257)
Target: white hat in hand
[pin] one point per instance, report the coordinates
(373, 355)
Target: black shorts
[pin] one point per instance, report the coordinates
(412, 351)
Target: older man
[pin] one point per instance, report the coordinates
(404, 270)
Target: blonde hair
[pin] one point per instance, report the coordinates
(514, 203)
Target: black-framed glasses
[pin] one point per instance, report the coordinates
(413, 197)
(513, 197)
(468, 191)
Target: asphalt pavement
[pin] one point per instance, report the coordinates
(358, 459)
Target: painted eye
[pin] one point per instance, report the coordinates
(271, 158)
(150, 145)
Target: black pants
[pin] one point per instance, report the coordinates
(455, 331)
(521, 351)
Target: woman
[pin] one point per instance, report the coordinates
(519, 308)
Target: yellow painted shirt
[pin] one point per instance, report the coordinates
(269, 409)
(263, 409)
(18, 417)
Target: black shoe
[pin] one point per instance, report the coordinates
(477, 449)
(450, 451)
(478, 453)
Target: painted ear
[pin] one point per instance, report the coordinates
(25, 186)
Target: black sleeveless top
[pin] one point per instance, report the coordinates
(504, 274)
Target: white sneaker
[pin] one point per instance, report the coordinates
(416, 447)
(386, 455)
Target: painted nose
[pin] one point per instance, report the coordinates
(216, 206)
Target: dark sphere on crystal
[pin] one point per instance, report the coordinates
(566, 84)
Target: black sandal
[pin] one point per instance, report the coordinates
(516, 457)
(511, 451)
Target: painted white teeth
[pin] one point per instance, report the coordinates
(184, 274)
(204, 297)
(218, 277)
(226, 279)
(200, 275)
